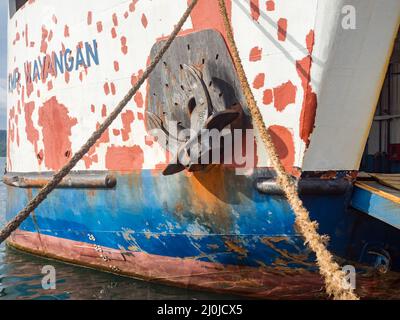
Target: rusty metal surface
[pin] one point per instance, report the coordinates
(207, 52)
(313, 186)
(90, 180)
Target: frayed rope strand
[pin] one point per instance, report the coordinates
(329, 269)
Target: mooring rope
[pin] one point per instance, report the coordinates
(57, 178)
(329, 269)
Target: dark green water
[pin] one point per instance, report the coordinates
(21, 278)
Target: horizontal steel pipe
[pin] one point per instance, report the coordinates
(312, 186)
(91, 180)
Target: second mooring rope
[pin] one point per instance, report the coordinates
(329, 269)
(57, 178)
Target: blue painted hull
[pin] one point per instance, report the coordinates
(224, 221)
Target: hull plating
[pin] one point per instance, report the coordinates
(221, 235)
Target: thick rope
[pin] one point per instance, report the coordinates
(329, 269)
(57, 178)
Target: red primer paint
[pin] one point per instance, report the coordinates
(106, 89)
(56, 130)
(104, 111)
(284, 144)
(29, 88)
(270, 5)
(255, 9)
(113, 90)
(144, 20)
(124, 158)
(32, 133)
(255, 54)
(259, 81)
(282, 29)
(91, 157)
(43, 46)
(284, 95)
(89, 18)
(124, 47)
(99, 26)
(26, 36)
(139, 99)
(206, 15)
(309, 108)
(310, 40)
(127, 119)
(66, 31)
(149, 141)
(135, 78)
(268, 97)
(115, 19)
(113, 33)
(132, 5)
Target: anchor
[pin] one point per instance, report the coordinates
(195, 88)
(203, 116)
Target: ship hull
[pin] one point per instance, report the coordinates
(316, 84)
(158, 230)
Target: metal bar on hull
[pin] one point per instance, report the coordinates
(89, 180)
(308, 186)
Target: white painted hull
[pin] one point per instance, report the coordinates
(316, 83)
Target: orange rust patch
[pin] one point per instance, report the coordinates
(255, 54)
(259, 81)
(208, 197)
(124, 158)
(56, 129)
(236, 248)
(205, 15)
(255, 9)
(309, 108)
(284, 95)
(268, 97)
(282, 29)
(283, 140)
(270, 5)
(127, 119)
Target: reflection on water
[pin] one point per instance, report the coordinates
(21, 278)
